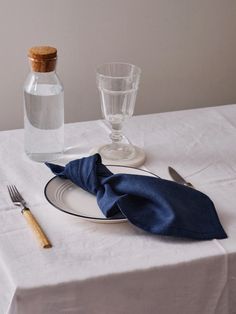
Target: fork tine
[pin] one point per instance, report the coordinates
(10, 192)
(17, 193)
(14, 193)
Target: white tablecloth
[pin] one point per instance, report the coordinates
(110, 269)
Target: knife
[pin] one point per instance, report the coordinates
(178, 178)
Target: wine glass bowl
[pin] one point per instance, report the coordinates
(118, 85)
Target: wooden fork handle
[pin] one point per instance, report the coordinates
(43, 240)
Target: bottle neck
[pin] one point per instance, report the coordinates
(43, 74)
(36, 78)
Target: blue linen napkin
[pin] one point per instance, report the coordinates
(153, 204)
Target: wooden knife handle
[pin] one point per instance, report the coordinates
(44, 242)
(189, 184)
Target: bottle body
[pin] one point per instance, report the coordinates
(43, 116)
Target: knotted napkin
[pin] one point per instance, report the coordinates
(153, 204)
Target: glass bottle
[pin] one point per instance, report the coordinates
(43, 106)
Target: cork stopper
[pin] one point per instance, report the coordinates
(42, 58)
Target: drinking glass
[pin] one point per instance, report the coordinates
(118, 85)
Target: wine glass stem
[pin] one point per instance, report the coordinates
(116, 133)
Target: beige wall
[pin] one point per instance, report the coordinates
(186, 49)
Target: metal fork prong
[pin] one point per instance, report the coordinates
(10, 192)
(17, 193)
(14, 193)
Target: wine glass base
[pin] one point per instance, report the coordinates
(136, 160)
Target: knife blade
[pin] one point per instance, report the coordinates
(177, 177)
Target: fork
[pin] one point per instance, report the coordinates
(18, 200)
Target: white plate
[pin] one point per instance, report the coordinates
(71, 199)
